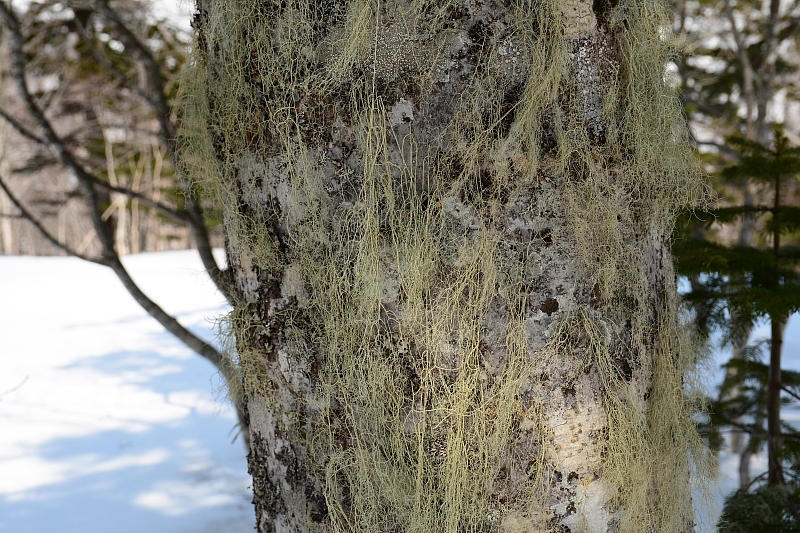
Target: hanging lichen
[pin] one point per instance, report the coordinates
(350, 177)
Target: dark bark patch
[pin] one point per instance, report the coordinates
(487, 186)
(546, 236)
(266, 495)
(549, 306)
(595, 298)
(479, 33)
(508, 110)
(548, 143)
(317, 508)
(458, 13)
(602, 11)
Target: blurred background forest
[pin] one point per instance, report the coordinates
(87, 142)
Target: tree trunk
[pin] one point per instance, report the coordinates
(448, 224)
(774, 386)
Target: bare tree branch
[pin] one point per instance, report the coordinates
(174, 214)
(27, 215)
(155, 87)
(749, 78)
(22, 130)
(106, 64)
(87, 183)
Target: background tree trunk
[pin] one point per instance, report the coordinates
(449, 225)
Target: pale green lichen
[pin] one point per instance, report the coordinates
(400, 272)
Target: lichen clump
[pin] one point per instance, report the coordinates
(381, 165)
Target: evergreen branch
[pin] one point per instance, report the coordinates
(747, 146)
(753, 431)
(697, 256)
(790, 392)
(785, 220)
(762, 169)
(790, 252)
(729, 214)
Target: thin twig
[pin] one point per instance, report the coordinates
(87, 187)
(22, 130)
(27, 215)
(178, 216)
(155, 84)
(12, 389)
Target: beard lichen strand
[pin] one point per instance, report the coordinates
(443, 219)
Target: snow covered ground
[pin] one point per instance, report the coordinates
(108, 424)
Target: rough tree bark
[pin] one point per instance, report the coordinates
(449, 226)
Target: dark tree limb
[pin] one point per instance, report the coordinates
(22, 130)
(110, 257)
(103, 61)
(27, 215)
(88, 184)
(154, 87)
(180, 217)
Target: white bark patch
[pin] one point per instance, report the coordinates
(262, 421)
(516, 522)
(293, 369)
(464, 214)
(267, 425)
(292, 285)
(246, 278)
(579, 20)
(592, 512)
(401, 113)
